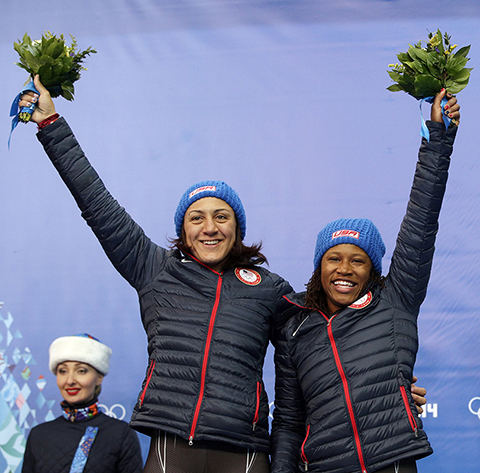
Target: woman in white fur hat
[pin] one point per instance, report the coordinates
(83, 439)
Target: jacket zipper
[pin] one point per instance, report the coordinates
(205, 361)
(259, 392)
(304, 457)
(149, 377)
(347, 396)
(411, 419)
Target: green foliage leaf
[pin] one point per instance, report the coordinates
(394, 75)
(424, 70)
(463, 75)
(57, 64)
(55, 49)
(455, 65)
(395, 88)
(426, 86)
(402, 57)
(418, 54)
(67, 90)
(456, 87)
(45, 73)
(463, 51)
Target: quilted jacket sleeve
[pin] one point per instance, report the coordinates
(288, 428)
(126, 245)
(412, 259)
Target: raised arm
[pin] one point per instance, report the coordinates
(413, 256)
(131, 252)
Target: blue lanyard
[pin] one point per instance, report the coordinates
(83, 450)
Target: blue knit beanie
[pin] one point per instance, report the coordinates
(355, 231)
(218, 189)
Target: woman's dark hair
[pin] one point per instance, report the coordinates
(240, 254)
(316, 298)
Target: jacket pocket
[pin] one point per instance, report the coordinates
(303, 455)
(411, 417)
(147, 382)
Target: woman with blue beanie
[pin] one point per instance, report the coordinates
(207, 307)
(345, 358)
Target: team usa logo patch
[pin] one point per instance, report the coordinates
(202, 189)
(362, 302)
(346, 233)
(248, 276)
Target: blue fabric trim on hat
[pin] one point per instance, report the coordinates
(87, 335)
(218, 189)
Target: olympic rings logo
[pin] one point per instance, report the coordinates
(470, 406)
(117, 411)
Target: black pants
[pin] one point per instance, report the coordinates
(404, 466)
(171, 454)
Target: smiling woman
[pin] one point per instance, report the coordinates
(83, 439)
(207, 306)
(345, 271)
(348, 255)
(209, 226)
(78, 382)
(345, 358)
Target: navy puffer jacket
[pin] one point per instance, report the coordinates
(207, 332)
(343, 399)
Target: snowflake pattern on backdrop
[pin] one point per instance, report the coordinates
(22, 402)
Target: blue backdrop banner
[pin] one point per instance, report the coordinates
(284, 100)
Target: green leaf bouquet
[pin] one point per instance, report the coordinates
(424, 70)
(58, 64)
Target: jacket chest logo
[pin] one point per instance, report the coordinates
(362, 302)
(248, 276)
